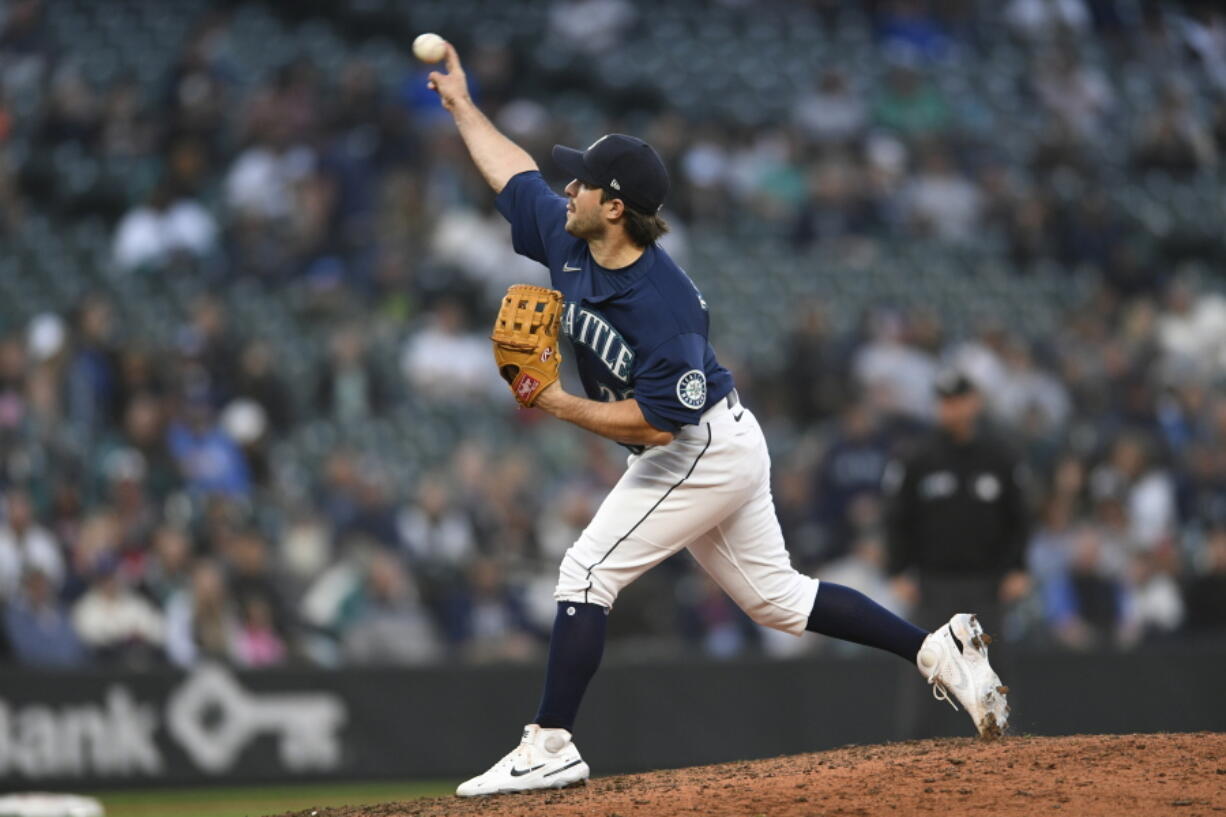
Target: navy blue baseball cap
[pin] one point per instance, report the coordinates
(626, 166)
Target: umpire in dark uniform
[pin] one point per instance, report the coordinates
(956, 515)
(957, 526)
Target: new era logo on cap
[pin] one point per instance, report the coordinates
(625, 164)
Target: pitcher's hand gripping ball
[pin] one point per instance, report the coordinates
(526, 340)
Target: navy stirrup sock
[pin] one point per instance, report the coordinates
(575, 649)
(577, 643)
(841, 612)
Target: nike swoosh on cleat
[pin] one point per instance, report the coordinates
(564, 768)
(521, 772)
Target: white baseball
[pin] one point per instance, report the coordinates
(429, 47)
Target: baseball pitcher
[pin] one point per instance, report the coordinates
(699, 473)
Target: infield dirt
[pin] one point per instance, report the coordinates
(1091, 775)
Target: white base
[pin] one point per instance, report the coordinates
(49, 805)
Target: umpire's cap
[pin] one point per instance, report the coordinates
(952, 382)
(624, 165)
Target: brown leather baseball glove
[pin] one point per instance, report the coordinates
(526, 340)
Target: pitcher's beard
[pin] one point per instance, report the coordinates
(580, 229)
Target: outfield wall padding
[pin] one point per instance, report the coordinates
(109, 729)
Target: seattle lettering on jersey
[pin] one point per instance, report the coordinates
(597, 334)
(638, 331)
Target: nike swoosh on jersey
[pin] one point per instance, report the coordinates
(569, 268)
(521, 772)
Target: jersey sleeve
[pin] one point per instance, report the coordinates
(671, 384)
(537, 216)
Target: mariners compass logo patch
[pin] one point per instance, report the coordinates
(692, 389)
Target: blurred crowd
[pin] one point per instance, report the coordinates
(146, 519)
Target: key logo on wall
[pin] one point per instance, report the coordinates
(214, 718)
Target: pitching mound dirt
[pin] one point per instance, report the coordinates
(1091, 775)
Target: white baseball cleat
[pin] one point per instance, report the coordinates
(955, 659)
(544, 759)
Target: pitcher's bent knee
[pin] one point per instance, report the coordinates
(787, 611)
(767, 614)
(577, 582)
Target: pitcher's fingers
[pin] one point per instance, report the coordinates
(432, 80)
(452, 58)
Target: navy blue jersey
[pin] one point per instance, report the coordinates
(639, 331)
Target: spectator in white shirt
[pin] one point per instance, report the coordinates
(118, 624)
(590, 26)
(832, 111)
(897, 375)
(261, 181)
(942, 202)
(1041, 20)
(443, 361)
(1027, 388)
(163, 229)
(1078, 95)
(26, 545)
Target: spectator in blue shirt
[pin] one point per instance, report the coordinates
(38, 628)
(850, 473)
(209, 461)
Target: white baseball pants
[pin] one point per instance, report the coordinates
(709, 491)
